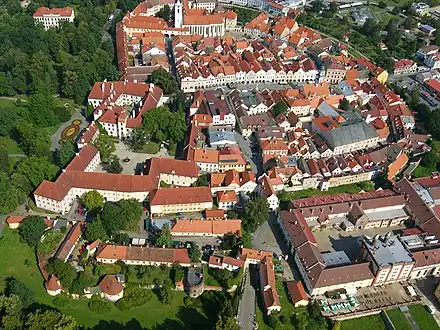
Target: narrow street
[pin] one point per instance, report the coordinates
(246, 308)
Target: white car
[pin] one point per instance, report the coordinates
(431, 309)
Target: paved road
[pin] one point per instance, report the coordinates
(246, 307)
(56, 137)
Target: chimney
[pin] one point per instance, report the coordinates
(151, 86)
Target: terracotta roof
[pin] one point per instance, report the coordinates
(70, 241)
(88, 133)
(82, 159)
(141, 253)
(268, 282)
(397, 165)
(297, 227)
(226, 196)
(426, 257)
(275, 144)
(254, 254)
(186, 195)
(214, 213)
(206, 156)
(110, 285)
(215, 227)
(14, 219)
(44, 11)
(158, 165)
(53, 284)
(93, 245)
(296, 291)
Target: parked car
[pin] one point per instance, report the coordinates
(431, 309)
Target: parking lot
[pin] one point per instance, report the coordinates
(410, 84)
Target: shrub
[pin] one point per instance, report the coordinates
(62, 113)
(133, 297)
(61, 301)
(100, 306)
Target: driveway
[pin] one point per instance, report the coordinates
(247, 304)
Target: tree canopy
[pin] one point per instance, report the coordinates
(31, 229)
(163, 125)
(164, 238)
(256, 213)
(122, 215)
(93, 200)
(164, 80)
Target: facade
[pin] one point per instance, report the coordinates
(51, 18)
(225, 262)
(390, 261)
(227, 199)
(111, 288)
(405, 67)
(268, 286)
(172, 200)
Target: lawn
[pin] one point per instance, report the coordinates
(421, 316)
(209, 279)
(154, 313)
(50, 242)
(372, 322)
(399, 320)
(11, 145)
(150, 148)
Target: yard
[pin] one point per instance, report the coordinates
(399, 320)
(364, 323)
(23, 267)
(421, 316)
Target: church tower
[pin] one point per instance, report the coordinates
(178, 14)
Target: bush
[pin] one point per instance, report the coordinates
(100, 306)
(133, 297)
(61, 301)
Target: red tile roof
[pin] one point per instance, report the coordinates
(296, 291)
(52, 284)
(110, 285)
(141, 253)
(14, 219)
(70, 240)
(215, 227)
(82, 159)
(64, 12)
(158, 165)
(214, 214)
(187, 195)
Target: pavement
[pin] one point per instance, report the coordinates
(246, 307)
(56, 137)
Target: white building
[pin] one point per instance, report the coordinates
(51, 18)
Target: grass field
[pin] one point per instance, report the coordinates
(12, 146)
(154, 313)
(399, 320)
(421, 316)
(372, 322)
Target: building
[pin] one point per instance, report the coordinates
(233, 180)
(225, 262)
(173, 200)
(53, 286)
(268, 285)
(141, 255)
(297, 293)
(405, 66)
(14, 221)
(267, 190)
(172, 171)
(52, 18)
(206, 228)
(71, 240)
(390, 261)
(433, 61)
(111, 288)
(120, 105)
(227, 199)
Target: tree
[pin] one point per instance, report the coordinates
(33, 141)
(194, 252)
(4, 158)
(31, 230)
(93, 201)
(41, 108)
(164, 294)
(95, 230)
(164, 238)
(49, 320)
(202, 181)
(114, 166)
(279, 108)
(161, 124)
(164, 13)
(164, 80)
(393, 35)
(414, 98)
(122, 215)
(256, 213)
(100, 306)
(64, 271)
(105, 145)
(223, 276)
(430, 160)
(36, 169)
(317, 6)
(382, 4)
(17, 288)
(11, 310)
(344, 104)
(65, 153)
(333, 8)
(12, 194)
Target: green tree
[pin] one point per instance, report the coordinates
(279, 108)
(14, 287)
(256, 213)
(414, 98)
(41, 108)
(393, 35)
(12, 195)
(344, 104)
(95, 230)
(202, 181)
(11, 311)
(65, 153)
(4, 157)
(93, 200)
(164, 80)
(49, 320)
(31, 230)
(106, 146)
(100, 306)
(164, 238)
(317, 6)
(164, 294)
(164, 13)
(122, 215)
(33, 141)
(114, 166)
(36, 169)
(63, 270)
(194, 252)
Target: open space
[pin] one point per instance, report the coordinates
(421, 316)
(398, 319)
(364, 323)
